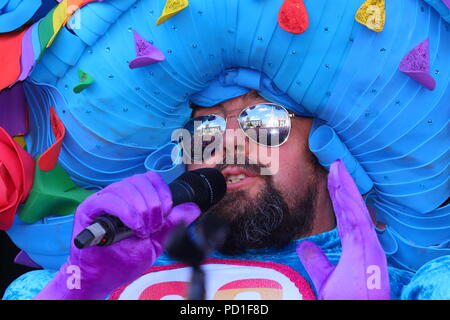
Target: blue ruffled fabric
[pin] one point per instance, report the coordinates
(29, 284)
(441, 8)
(15, 13)
(378, 114)
(234, 82)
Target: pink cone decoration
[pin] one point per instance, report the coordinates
(145, 53)
(416, 65)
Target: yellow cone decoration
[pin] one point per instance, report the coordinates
(372, 14)
(171, 8)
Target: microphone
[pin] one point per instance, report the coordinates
(211, 234)
(205, 187)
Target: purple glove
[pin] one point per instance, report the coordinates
(362, 269)
(143, 203)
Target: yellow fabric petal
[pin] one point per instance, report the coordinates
(372, 14)
(171, 8)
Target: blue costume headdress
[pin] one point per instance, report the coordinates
(390, 130)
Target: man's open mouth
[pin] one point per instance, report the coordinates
(236, 176)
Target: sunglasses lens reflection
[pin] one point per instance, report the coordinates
(204, 131)
(266, 124)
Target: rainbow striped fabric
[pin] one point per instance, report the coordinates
(31, 43)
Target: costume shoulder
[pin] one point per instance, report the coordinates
(28, 285)
(431, 282)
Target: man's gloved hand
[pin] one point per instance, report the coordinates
(144, 204)
(362, 269)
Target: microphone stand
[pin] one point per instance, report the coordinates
(197, 289)
(212, 232)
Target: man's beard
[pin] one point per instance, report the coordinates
(265, 221)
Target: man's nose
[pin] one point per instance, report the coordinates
(232, 122)
(234, 138)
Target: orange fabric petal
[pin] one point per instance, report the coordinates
(8, 194)
(49, 158)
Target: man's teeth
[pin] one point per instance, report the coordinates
(236, 178)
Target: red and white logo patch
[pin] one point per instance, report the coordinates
(225, 280)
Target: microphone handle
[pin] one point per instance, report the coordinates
(107, 229)
(104, 231)
(118, 232)
(181, 192)
(204, 187)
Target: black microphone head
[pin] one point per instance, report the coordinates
(209, 186)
